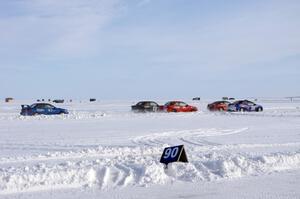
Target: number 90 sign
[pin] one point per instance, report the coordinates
(173, 154)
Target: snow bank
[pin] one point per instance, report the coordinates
(134, 166)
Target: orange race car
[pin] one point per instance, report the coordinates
(218, 106)
(178, 106)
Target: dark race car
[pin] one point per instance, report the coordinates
(146, 106)
(58, 101)
(42, 109)
(244, 105)
(218, 106)
(178, 106)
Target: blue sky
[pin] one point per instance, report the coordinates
(139, 49)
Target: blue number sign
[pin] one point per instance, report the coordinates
(173, 154)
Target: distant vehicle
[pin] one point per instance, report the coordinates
(244, 105)
(92, 99)
(218, 106)
(178, 106)
(42, 109)
(196, 98)
(9, 99)
(228, 98)
(58, 101)
(146, 106)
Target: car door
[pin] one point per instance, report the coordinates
(251, 106)
(177, 106)
(172, 107)
(40, 109)
(51, 109)
(147, 106)
(154, 106)
(183, 107)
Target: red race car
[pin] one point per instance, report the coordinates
(218, 106)
(178, 106)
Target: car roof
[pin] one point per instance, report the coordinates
(174, 101)
(41, 104)
(238, 101)
(147, 102)
(245, 100)
(221, 101)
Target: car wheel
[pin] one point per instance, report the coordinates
(174, 110)
(259, 109)
(242, 110)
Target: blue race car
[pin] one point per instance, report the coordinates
(42, 109)
(244, 105)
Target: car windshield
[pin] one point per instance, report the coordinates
(168, 104)
(153, 104)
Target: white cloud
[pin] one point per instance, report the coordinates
(253, 35)
(57, 27)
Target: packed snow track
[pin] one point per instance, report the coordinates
(106, 147)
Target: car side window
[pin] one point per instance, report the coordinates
(48, 106)
(182, 104)
(251, 104)
(153, 104)
(40, 106)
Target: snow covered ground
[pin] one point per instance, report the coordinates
(102, 150)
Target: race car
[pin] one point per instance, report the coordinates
(146, 106)
(244, 105)
(178, 106)
(218, 106)
(42, 109)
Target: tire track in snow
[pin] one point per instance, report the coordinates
(153, 142)
(194, 136)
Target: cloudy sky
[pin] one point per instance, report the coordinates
(139, 49)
